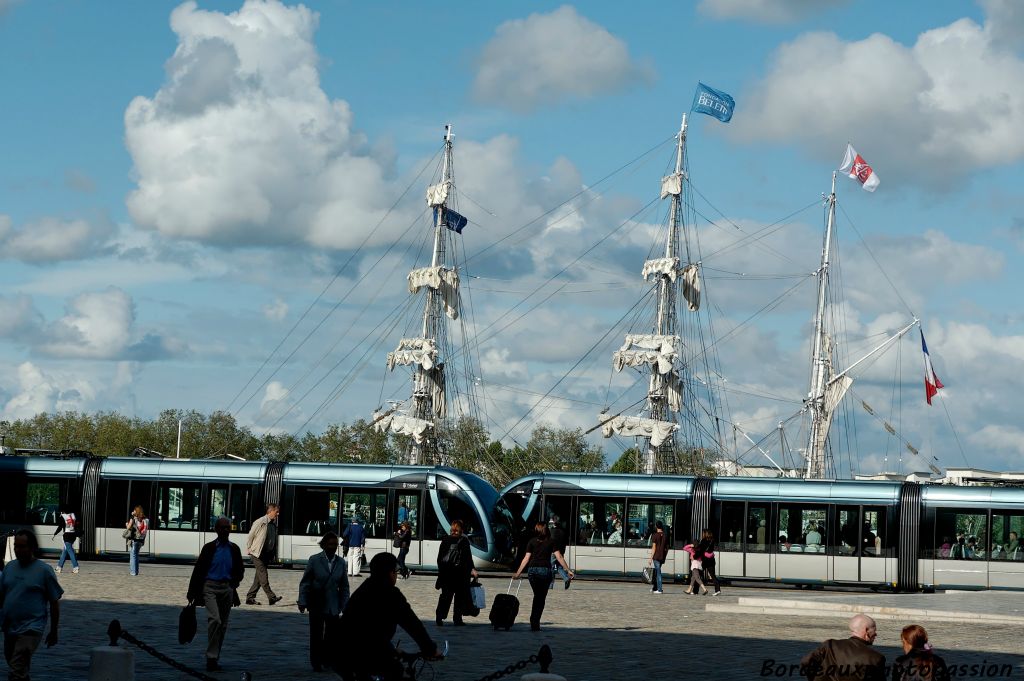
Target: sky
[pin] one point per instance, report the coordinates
(180, 183)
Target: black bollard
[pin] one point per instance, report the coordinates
(545, 658)
(114, 632)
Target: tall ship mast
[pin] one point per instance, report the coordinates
(827, 386)
(421, 417)
(671, 423)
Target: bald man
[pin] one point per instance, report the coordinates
(850, 659)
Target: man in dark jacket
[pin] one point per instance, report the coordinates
(850, 659)
(373, 614)
(215, 578)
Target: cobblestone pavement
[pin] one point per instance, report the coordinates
(597, 630)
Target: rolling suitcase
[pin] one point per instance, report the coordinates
(505, 608)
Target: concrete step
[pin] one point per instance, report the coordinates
(799, 608)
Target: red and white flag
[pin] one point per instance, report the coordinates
(932, 384)
(856, 168)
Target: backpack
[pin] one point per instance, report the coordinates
(452, 559)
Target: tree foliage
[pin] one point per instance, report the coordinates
(466, 442)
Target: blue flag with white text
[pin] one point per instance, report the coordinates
(452, 220)
(713, 102)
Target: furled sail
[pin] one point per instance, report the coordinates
(640, 349)
(691, 287)
(437, 194)
(435, 384)
(422, 351)
(668, 266)
(672, 185)
(402, 425)
(635, 426)
(442, 280)
(834, 394)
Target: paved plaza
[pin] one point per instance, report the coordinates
(597, 630)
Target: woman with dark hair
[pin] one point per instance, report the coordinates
(537, 562)
(454, 572)
(918, 661)
(403, 539)
(324, 590)
(707, 545)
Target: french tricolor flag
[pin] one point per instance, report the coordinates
(932, 384)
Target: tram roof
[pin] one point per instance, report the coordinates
(371, 474)
(610, 483)
(183, 469)
(972, 496)
(44, 466)
(798, 490)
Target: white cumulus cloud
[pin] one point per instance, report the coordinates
(276, 311)
(51, 239)
(951, 103)
(765, 11)
(546, 58)
(241, 146)
(39, 391)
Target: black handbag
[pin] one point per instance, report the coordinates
(187, 624)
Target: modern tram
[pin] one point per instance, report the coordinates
(877, 534)
(184, 497)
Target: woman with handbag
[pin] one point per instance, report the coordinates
(402, 541)
(135, 532)
(537, 563)
(696, 565)
(454, 570)
(707, 543)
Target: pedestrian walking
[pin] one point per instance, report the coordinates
(67, 522)
(454, 573)
(537, 563)
(918, 662)
(559, 539)
(138, 528)
(403, 540)
(323, 590)
(696, 565)
(260, 545)
(707, 545)
(659, 553)
(214, 584)
(847, 659)
(28, 587)
(355, 536)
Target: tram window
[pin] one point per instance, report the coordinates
(316, 511)
(116, 503)
(558, 508)
(12, 499)
(231, 502)
(42, 500)
(177, 506)
(730, 526)
(874, 532)
(1007, 536)
(407, 509)
(369, 508)
(140, 493)
(802, 528)
(758, 537)
(456, 505)
(959, 533)
(641, 520)
(846, 540)
(601, 522)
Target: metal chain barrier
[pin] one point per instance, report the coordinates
(114, 631)
(543, 657)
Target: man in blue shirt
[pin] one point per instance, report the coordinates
(27, 586)
(215, 578)
(356, 537)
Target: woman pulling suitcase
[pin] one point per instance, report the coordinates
(537, 563)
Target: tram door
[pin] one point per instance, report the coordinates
(406, 508)
(860, 545)
(802, 541)
(559, 511)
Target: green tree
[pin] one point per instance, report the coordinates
(628, 462)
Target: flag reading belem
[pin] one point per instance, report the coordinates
(856, 168)
(713, 102)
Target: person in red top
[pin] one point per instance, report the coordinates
(67, 523)
(659, 552)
